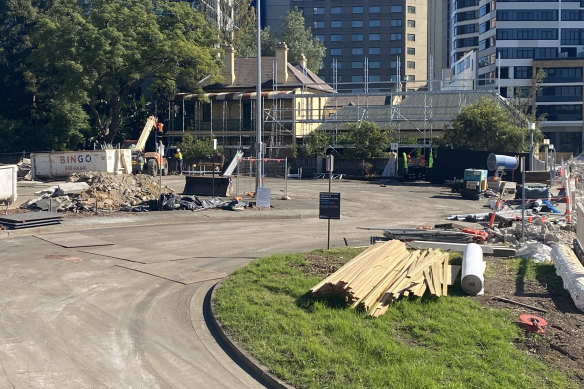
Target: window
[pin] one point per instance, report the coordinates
(374, 50)
(396, 8)
(357, 37)
(374, 9)
(357, 78)
(411, 23)
(374, 64)
(357, 51)
(411, 37)
(411, 65)
(395, 37)
(393, 64)
(411, 9)
(375, 23)
(374, 37)
(319, 24)
(374, 78)
(357, 10)
(319, 10)
(411, 51)
(336, 10)
(357, 23)
(573, 36)
(410, 78)
(395, 50)
(357, 65)
(396, 22)
(320, 37)
(527, 14)
(464, 29)
(336, 52)
(336, 65)
(336, 24)
(336, 38)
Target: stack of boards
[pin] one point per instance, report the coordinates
(385, 272)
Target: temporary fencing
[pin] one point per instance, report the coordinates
(274, 174)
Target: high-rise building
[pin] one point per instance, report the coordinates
(514, 40)
(370, 45)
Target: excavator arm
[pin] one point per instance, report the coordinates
(151, 124)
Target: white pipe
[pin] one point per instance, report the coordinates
(473, 269)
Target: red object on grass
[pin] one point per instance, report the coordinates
(533, 323)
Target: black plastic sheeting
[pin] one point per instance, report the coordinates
(170, 202)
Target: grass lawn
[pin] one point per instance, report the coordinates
(446, 342)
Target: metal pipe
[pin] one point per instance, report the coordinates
(259, 101)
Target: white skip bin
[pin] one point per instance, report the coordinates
(8, 186)
(62, 164)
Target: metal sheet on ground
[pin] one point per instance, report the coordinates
(73, 239)
(133, 254)
(29, 216)
(181, 272)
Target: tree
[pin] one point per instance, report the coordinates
(486, 126)
(297, 37)
(193, 149)
(315, 143)
(103, 51)
(300, 40)
(366, 140)
(527, 104)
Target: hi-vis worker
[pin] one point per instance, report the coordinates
(179, 161)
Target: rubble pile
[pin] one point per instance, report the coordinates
(546, 232)
(97, 191)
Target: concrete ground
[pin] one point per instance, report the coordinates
(74, 319)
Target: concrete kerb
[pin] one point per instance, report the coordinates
(260, 372)
(168, 218)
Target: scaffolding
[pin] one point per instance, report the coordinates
(289, 114)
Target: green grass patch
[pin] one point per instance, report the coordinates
(309, 342)
(527, 269)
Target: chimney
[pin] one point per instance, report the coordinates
(282, 62)
(229, 65)
(302, 60)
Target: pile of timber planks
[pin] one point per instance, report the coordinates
(386, 271)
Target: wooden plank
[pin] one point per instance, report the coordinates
(428, 280)
(336, 276)
(445, 276)
(373, 289)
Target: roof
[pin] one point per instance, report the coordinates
(246, 77)
(418, 111)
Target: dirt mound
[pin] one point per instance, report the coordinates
(111, 191)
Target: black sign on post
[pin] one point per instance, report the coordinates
(330, 205)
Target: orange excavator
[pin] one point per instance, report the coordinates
(147, 161)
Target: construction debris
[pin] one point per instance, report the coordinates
(98, 191)
(385, 272)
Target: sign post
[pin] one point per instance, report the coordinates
(330, 203)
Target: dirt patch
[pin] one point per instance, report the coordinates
(321, 266)
(562, 343)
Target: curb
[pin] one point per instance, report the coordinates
(260, 372)
(167, 220)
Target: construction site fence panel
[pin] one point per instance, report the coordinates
(12, 158)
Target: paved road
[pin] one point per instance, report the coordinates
(71, 319)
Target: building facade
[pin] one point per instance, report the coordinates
(521, 44)
(371, 45)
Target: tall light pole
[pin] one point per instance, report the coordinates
(531, 127)
(259, 158)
